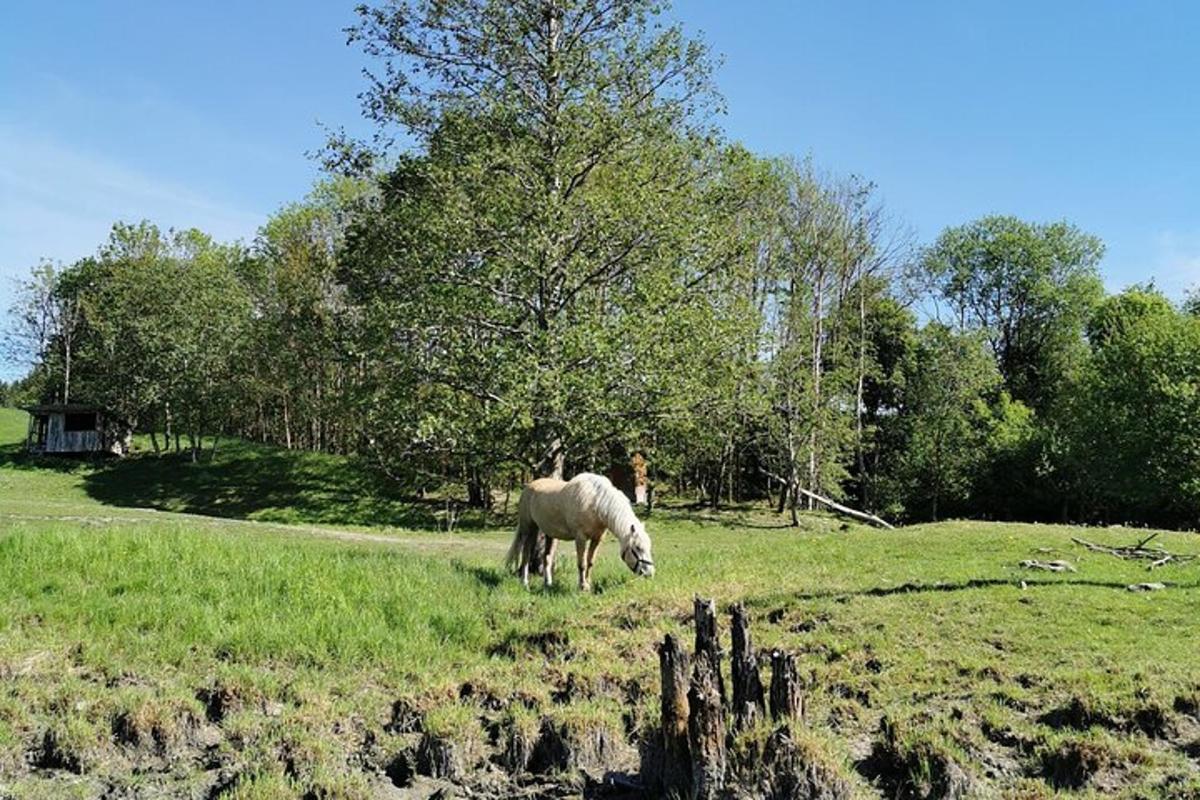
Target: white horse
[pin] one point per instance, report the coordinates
(580, 509)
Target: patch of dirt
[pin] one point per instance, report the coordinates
(219, 701)
(552, 645)
(1148, 718)
(592, 749)
(401, 769)
(52, 753)
(406, 718)
(902, 765)
(1076, 764)
(784, 768)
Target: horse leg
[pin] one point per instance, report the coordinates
(548, 561)
(593, 546)
(581, 546)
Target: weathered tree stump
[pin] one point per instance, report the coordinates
(674, 778)
(689, 756)
(787, 703)
(438, 757)
(706, 730)
(707, 641)
(748, 704)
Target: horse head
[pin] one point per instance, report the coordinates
(635, 551)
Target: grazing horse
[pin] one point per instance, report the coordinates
(580, 509)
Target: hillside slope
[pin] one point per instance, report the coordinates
(243, 480)
(150, 654)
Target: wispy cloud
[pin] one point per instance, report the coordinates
(59, 202)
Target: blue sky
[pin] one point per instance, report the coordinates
(200, 114)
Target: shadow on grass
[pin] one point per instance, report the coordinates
(958, 586)
(488, 577)
(248, 481)
(15, 456)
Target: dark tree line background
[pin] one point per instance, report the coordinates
(564, 261)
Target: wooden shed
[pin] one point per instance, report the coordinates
(70, 428)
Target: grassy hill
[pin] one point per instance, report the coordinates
(155, 653)
(243, 481)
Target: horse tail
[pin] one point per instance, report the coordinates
(519, 550)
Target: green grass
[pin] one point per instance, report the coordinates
(143, 648)
(242, 481)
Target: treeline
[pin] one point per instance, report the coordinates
(567, 263)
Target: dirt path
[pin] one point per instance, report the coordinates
(427, 541)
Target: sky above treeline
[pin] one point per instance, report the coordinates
(202, 114)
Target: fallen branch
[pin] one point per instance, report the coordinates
(1050, 566)
(861, 516)
(1155, 555)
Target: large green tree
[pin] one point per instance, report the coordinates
(1028, 288)
(1133, 439)
(164, 318)
(557, 253)
(944, 419)
(301, 366)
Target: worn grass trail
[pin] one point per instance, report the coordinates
(154, 651)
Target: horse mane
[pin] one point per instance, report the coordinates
(611, 505)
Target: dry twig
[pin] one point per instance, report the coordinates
(1157, 556)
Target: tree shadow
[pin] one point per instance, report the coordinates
(488, 577)
(959, 586)
(246, 481)
(17, 456)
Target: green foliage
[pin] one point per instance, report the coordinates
(160, 327)
(1028, 288)
(563, 239)
(1134, 447)
(949, 379)
(300, 365)
(549, 259)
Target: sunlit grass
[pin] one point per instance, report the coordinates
(110, 614)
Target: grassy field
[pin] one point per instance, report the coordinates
(148, 653)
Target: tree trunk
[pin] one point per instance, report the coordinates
(707, 638)
(786, 701)
(846, 510)
(479, 493)
(817, 367)
(66, 369)
(748, 705)
(553, 461)
(287, 424)
(706, 729)
(859, 405)
(674, 778)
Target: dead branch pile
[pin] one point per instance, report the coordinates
(1156, 555)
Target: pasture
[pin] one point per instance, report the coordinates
(315, 644)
